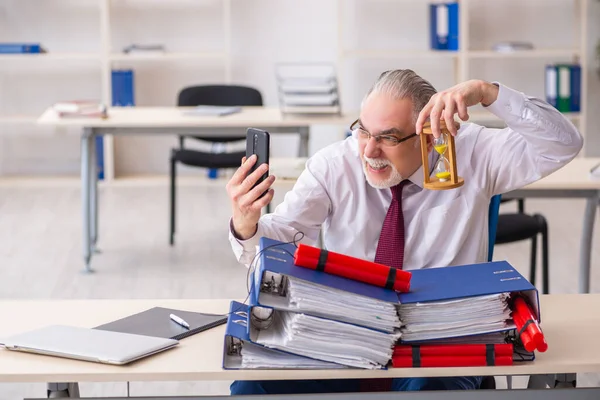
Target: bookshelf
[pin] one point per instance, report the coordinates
(85, 39)
(473, 50)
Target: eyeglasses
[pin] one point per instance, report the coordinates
(386, 140)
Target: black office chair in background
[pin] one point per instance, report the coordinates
(514, 227)
(211, 95)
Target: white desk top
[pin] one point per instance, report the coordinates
(173, 117)
(575, 175)
(570, 323)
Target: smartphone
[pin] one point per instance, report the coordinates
(258, 142)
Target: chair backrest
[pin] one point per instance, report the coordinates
(219, 95)
(494, 210)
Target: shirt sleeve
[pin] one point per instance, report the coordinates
(297, 219)
(537, 141)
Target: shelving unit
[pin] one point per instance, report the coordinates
(107, 57)
(461, 61)
(85, 45)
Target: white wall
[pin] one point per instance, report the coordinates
(263, 32)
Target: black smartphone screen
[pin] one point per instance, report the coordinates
(258, 142)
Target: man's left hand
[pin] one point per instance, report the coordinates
(456, 100)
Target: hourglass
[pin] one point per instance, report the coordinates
(445, 175)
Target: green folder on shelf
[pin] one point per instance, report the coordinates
(563, 98)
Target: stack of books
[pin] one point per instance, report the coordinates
(454, 316)
(79, 109)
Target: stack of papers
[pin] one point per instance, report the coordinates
(213, 110)
(307, 297)
(328, 340)
(258, 357)
(307, 88)
(452, 318)
(595, 172)
(80, 108)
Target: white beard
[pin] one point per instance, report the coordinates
(392, 180)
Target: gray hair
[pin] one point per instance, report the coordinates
(401, 84)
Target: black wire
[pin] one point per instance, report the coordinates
(252, 267)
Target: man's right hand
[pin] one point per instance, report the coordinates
(245, 201)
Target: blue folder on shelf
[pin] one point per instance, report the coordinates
(444, 26)
(237, 338)
(427, 285)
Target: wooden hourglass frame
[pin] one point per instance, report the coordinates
(433, 182)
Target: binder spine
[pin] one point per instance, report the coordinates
(438, 23)
(20, 48)
(564, 89)
(575, 105)
(453, 26)
(551, 85)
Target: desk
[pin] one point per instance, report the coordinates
(570, 325)
(170, 121)
(571, 181)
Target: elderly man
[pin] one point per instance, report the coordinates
(366, 193)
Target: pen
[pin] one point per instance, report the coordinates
(179, 321)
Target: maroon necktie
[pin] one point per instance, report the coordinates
(390, 249)
(390, 252)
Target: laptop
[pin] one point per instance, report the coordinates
(86, 344)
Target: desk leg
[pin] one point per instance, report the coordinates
(585, 251)
(303, 150)
(63, 390)
(93, 195)
(565, 381)
(86, 148)
(555, 381)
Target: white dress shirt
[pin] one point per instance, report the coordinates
(442, 227)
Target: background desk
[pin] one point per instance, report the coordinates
(572, 181)
(169, 121)
(570, 324)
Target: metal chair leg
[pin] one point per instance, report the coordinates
(533, 266)
(545, 260)
(172, 205)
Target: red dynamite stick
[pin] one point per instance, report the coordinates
(333, 258)
(449, 361)
(533, 328)
(352, 268)
(351, 273)
(528, 343)
(505, 349)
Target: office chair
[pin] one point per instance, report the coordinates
(488, 382)
(514, 227)
(212, 95)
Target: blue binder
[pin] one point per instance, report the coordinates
(444, 26)
(575, 101)
(236, 336)
(453, 26)
(551, 85)
(20, 48)
(430, 284)
(438, 25)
